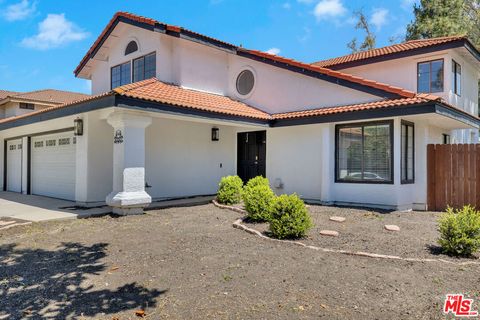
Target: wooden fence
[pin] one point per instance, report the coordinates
(452, 176)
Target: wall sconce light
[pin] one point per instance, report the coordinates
(215, 134)
(78, 127)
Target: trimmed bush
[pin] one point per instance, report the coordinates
(230, 190)
(257, 181)
(460, 231)
(258, 200)
(289, 217)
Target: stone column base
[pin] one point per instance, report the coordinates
(128, 203)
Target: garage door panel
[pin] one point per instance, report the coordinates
(53, 166)
(14, 165)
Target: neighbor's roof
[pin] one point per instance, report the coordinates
(50, 96)
(389, 51)
(4, 94)
(275, 60)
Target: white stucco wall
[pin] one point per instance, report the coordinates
(181, 160)
(204, 68)
(403, 73)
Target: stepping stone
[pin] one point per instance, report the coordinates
(337, 219)
(329, 233)
(392, 227)
(6, 223)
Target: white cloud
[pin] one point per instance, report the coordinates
(53, 32)
(379, 17)
(19, 11)
(307, 32)
(274, 51)
(329, 9)
(286, 6)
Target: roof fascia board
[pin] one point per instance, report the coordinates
(137, 104)
(457, 115)
(321, 76)
(403, 54)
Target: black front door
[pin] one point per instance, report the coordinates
(251, 153)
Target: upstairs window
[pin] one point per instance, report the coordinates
(131, 47)
(144, 67)
(28, 106)
(430, 76)
(456, 78)
(364, 152)
(121, 75)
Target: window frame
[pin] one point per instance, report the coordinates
(119, 65)
(407, 181)
(390, 123)
(143, 57)
(26, 106)
(430, 73)
(455, 90)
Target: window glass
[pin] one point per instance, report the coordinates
(407, 153)
(430, 76)
(144, 67)
(364, 153)
(456, 78)
(121, 75)
(245, 82)
(131, 47)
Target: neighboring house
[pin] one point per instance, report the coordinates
(14, 104)
(175, 110)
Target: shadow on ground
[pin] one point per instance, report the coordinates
(54, 284)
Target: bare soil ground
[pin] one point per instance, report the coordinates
(189, 263)
(364, 230)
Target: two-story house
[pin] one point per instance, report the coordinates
(174, 110)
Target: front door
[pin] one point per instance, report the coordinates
(252, 147)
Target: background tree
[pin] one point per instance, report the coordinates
(439, 18)
(370, 38)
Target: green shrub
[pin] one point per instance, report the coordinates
(460, 231)
(289, 217)
(230, 190)
(257, 181)
(258, 201)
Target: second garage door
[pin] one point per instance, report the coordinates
(14, 165)
(53, 166)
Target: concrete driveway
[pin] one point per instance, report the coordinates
(37, 208)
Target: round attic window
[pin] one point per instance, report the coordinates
(245, 82)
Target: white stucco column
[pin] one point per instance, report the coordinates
(24, 165)
(128, 195)
(81, 165)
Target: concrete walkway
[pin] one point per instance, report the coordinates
(37, 208)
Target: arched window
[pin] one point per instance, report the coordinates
(131, 47)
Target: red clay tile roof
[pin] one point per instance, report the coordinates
(401, 102)
(136, 18)
(384, 51)
(337, 74)
(50, 96)
(157, 91)
(4, 94)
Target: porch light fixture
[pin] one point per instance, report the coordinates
(78, 127)
(215, 134)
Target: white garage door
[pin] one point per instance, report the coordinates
(53, 166)
(14, 165)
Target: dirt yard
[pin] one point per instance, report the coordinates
(189, 263)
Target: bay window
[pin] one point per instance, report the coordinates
(364, 152)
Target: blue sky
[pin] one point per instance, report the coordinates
(42, 41)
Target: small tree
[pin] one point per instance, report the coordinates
(370, 38)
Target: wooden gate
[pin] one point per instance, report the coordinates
(452, 176)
